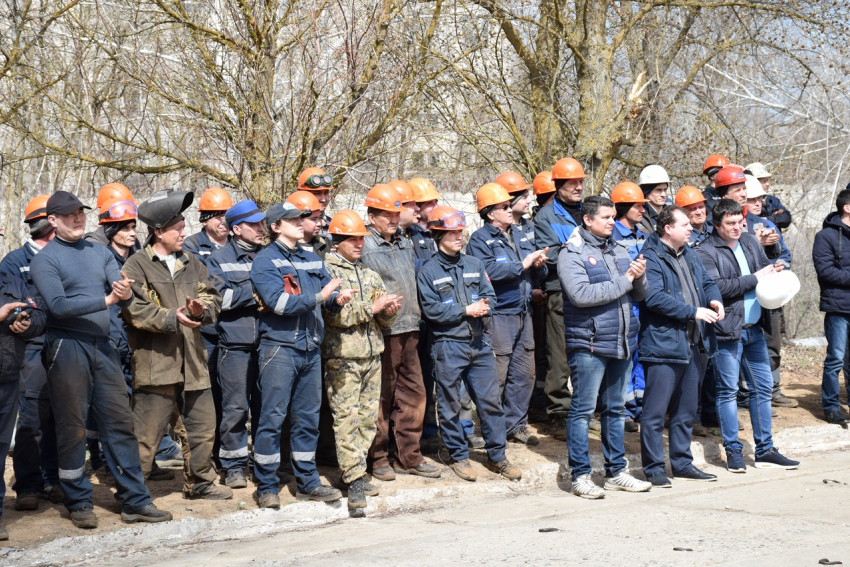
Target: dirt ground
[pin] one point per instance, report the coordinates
(801, 377)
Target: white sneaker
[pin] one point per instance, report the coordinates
(625, 481)
(583, 486)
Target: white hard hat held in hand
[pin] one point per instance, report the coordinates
(777, 289)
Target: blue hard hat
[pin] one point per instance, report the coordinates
(243, 211)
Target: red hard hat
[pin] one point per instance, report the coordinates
(729, 175)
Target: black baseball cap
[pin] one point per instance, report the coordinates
(63, 203)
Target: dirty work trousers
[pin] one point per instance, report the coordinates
(513, 343)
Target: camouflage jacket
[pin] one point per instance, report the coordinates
(355, 332)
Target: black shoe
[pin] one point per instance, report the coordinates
(84, 518)
(356, 494)
(161, 474)
(321, 494)
(558, 429)
(55, 494)
(631, 426)
(695, 474)
(524, 436)
(430, 445)
(710, 422)
(659, 480)
(475, 442)
(26, 501)
(150, 514)
(775, 460)
(782, 401)
(236, 479)
(836, 417)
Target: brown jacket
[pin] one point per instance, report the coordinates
(164, 351)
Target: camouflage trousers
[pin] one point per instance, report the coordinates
(354, 389)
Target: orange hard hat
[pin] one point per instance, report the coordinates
(408, 195)
(491, 194)
(304, 200)
(347, 223)
(689, 195)
(384, 198)
(729, 175)
(117, 210)
(113, 191)
(568, 168)
(445, 217)
(215, 199)
(715, 160)
(36, 208)
(512, 182)
(628, 192)
(315, 179)
(543, 183)
(424, 190)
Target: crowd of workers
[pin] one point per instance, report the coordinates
(273, 340)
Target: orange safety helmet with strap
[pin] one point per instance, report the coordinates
(688, 195)
(304, 201)
(713, 161)
(424, 190)
(113, 191)
(384, 198)
(628, 192)
(543, 183)
(568, 168)
(36, 208)
(347, 223)
(117, 210)
(408, 195)
(315, 179)
(445, 217)
(491, 194)
(512, 182)
(215, 199)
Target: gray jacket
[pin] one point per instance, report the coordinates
(394, 262)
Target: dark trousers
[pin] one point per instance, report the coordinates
(34, 458)
(670, 389)
(541, 364)
(84, 374)
(558, 377)
(238, 371)
(707, 411)
(211, 344)
(513, 343)
(402, 405)
(8, 411)
(430, 426)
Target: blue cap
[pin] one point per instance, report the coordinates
(285, 211)
(243, 211)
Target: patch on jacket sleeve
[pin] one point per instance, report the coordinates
(592, 261)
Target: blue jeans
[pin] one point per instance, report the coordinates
(290, 384)
(513, 343)
(836, 327)
(472, 365)
(597, 376)
(748, 357)
(8, 412)
(238, 371)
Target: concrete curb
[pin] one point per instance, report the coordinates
(251, 523)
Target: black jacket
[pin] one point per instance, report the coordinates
(831, 257)
(12, 345)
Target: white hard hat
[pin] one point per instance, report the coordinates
(754, 188)
(775, 290)
(759, 171)
(653, 175)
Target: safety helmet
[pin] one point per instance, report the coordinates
(445, 217)
(315, 179)
(215, 199)
(729, 175)
(713, 161)
(347, 223)
(491, 194)
(113, 191)
(567, 168)
(424, 190)
(776, 289)
(754, 188)
(543, 183)
(689, 195)
(653, 175)
(512, 182)
(117, 210)
(384, 198)
(758, 170)
(627, 192)
(408, 195)
(36, 208)
(304, 200)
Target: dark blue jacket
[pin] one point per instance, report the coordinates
(424, 247)
(831, 257)
(526, 226)
(12, 345)
(293, 320)
(664, 313)
(511, 283)
(771, 205)
(201, 245)
(553, 225)
(118, 330)
(631, 239)
(699, 236)
(17, 263)
(446, 289)
(230, 273)
(711, 198)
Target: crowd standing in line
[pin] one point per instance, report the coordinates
(271, 340)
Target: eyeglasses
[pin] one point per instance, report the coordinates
(317, 181)
(119, 210)
(452, 221)
(503, 207)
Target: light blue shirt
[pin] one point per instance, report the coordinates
(752, 309)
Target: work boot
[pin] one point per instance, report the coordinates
(269, 500)
(836, 417)
(782, 401)
(475, 442)
(383, 473)
(558, 429)
(283, 477)
(524, 436)
(236, 479)
(210, 492)
(630, 426)
(55, 494)
(150, 514)
(356, 494)
(4, 535)
(320, 494)
(84, 518)
(422, 469)
(26, 501)
(699, 430)
(430, 445)
(160, 474)
(504, 468)
(369, 489)
(464, 470)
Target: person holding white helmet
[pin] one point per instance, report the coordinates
(654, 182)
(773, 209)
